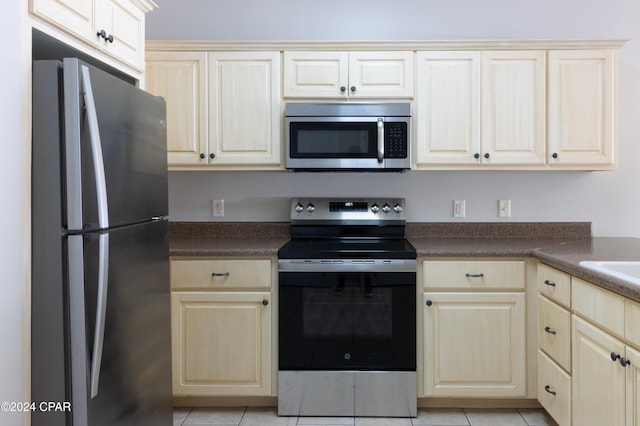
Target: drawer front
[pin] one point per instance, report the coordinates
(470, 275)
(554, 390)
(220, 274)
(601, 306)
(554, 284)
(554, 331)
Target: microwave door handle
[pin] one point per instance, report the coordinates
(380, 140)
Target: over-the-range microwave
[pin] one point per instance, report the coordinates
(347, 136)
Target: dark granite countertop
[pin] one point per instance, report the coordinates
(563, 252)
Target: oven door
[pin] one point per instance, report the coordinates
(341, 317)
(346, 143)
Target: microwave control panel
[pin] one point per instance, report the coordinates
(395, 140)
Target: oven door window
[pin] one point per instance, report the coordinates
(323, 139)
(347, 321)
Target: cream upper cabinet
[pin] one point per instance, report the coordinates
(181, 78)
(375, 74)
(582, 108)
(115, 27)
(123, 24)
(447, 115)
(244, 109)
(480, 108)
(76, 16)
(513, 107)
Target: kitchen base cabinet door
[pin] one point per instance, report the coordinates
(598, 378)
(633, 388)
(221, 343)
(474, 344)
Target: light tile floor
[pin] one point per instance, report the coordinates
(266, 416)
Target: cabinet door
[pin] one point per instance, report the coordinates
(513, 107)
(244, 108)
(221, 343)
(582, 92)
(381, 74)
(598, 381)
(447, 117)
(474, 344)
(76, 16)
(181, 78)
(124, 22)
(315, 74)
(633, 388)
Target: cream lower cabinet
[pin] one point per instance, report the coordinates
(554, 343)
(221, 326)
(221, 343)
(474, 329)
(606, 369)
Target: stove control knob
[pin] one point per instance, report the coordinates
(375, 208)
(311, 208)
(386, 208)
(397, 208)
(299, 208)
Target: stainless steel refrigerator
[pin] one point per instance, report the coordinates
(101, 338)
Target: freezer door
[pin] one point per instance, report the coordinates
(115, 150)
(120, 338)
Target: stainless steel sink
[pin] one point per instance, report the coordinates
(627, 271)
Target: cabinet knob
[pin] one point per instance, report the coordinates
(624, 362)
(212, 155)
(476, 155)
(549, 283)
(343, 89)
(429, 303)
(265, 302)
(353, 89)
(110, 38)
(202, 155)
(549, 330)
(614, 356)
(487, 155)
(554, 155)
(548, 389)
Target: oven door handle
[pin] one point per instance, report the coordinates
(380, 140)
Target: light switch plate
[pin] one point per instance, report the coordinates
(459, 208)
(504, 208)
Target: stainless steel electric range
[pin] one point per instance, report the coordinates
(347, 310)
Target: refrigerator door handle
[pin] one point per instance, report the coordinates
(96, 149)
(101, 312)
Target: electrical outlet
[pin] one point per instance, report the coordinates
(217, 207)
(504, 208)
(458, 208)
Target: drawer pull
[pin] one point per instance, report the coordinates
(548, 330)
(550, 283)
(474, 275)
(624, 362)
(548, 389)
(220, 274)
